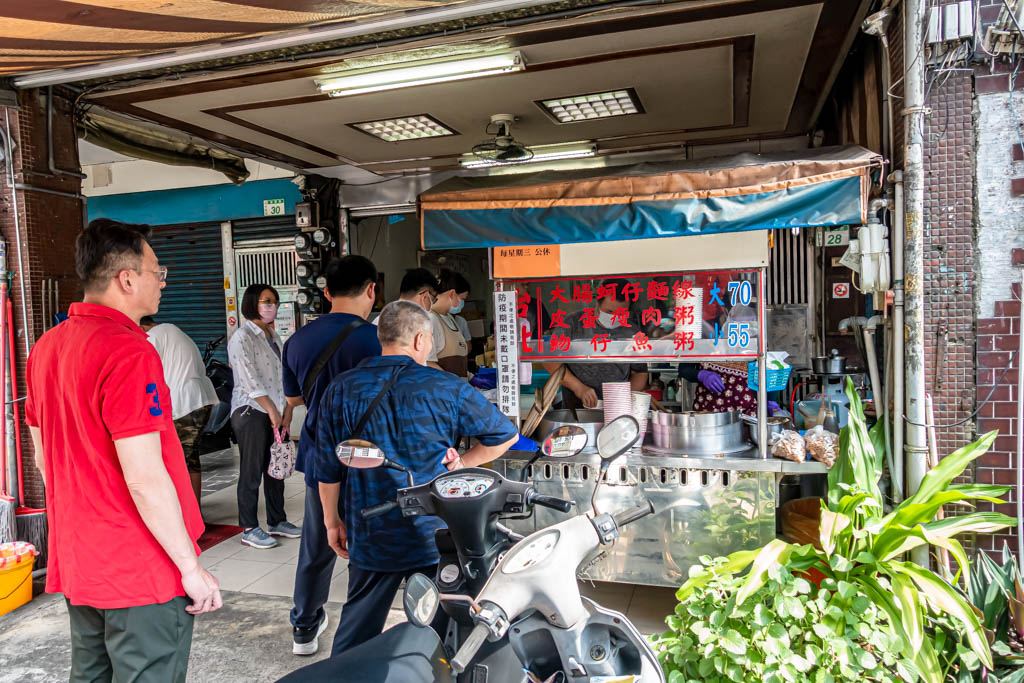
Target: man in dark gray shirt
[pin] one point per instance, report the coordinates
(583, 380)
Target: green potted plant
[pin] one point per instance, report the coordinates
(863, 550)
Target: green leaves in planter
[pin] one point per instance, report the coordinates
(869, 588)
(777, 634)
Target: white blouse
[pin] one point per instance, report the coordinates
(256, 367)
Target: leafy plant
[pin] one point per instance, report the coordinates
(777, 634)
(997, 594)
(863, 548)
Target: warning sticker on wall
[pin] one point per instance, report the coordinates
(840, 290)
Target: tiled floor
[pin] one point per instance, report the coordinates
(220, 470)
(272, 572)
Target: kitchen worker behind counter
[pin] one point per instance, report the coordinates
(722, 385)
(611, 317)
(450, 350)
(418, 417)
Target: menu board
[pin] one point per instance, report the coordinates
(506, 352)
(661, 316)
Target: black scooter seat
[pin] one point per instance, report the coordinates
(403, 654)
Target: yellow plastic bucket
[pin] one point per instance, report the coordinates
(16, 561)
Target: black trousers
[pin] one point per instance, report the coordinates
(365, 611)
(255, 435)
(147, 644)
(315, 566)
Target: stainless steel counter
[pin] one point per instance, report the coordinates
(703, 506)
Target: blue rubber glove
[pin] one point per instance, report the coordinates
(773, 407)
(712, 381)
(524, 444)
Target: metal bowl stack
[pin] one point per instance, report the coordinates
(699, 433)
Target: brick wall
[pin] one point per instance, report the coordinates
(1000, 240)
(48, 226)
(949, 256)
(998, 337)
(948, 235)
(999, 207)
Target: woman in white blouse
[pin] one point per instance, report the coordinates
(258, 407)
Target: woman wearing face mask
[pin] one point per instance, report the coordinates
(257, 407)
(450, 352)
(583, 380)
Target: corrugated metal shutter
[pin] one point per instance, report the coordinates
(194, 296)
(255, 229)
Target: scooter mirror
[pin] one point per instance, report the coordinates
(420, 600)
(617, 437)
(362, 455)
(565, 441)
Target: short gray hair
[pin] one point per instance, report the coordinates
(401, 321)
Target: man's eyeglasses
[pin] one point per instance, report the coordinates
(160, 272)
(427, 292)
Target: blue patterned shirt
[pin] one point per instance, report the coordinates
(416, 422)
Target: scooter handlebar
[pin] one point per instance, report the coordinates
(378, 510)
(633, 514)
(463, 658)
(552, 502)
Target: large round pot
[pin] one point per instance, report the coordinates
(775, 426)
(691, 432)
(828, 365)
(589, 419)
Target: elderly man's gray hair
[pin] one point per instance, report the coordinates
(401, 321)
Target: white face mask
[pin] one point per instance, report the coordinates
(606, 319)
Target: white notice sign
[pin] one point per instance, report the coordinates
(273, 207)
(507, 353)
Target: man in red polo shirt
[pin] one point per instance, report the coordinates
(123, 519)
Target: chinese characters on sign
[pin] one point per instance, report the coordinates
(507, 353)
(696, 314)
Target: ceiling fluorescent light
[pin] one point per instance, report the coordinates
(600, 105)
(404, 128)
(419, 73)
(541, 153)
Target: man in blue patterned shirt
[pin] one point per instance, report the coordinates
(416, 423)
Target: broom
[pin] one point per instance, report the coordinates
(30, 522)
(7, 521)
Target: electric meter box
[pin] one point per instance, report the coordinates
(305, 216)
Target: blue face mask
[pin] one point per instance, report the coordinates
(457, 308)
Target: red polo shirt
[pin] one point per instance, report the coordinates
(92, 380)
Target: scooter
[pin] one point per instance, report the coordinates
(217, 434)
(530, 603)
(470, 501)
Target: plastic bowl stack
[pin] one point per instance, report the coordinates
(618, 400)
(640, 409)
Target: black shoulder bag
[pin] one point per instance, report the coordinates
(317, 369)
(357, 433)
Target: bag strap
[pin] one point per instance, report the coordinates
(373, 404)
(315, 370)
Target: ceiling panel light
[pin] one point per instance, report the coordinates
(574, 150)
(404, 128)
(418, 73)
(600, 105)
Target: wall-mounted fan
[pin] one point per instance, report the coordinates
(502, 148)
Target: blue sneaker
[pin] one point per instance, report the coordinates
(256, 537)
(286, 529)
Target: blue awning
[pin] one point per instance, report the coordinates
(824, 187)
